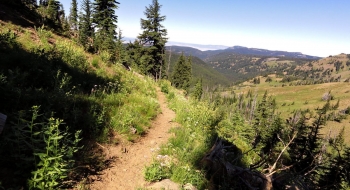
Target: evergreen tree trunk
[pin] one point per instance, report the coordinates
(73, 17)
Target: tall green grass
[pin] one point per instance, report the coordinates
(55, 74)
(191, 141)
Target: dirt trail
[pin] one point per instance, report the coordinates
(127, 170)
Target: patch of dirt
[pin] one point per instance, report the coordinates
(127, 170)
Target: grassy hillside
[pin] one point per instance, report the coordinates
(291, 98)
(60, 100)
(239, 67)
(330, 69)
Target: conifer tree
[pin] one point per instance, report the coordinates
(154, 38)
(134, 54)
(120, 51)
(65, 25)
(53, 11)
(85, 25)
(182, 73)
(73, 17)
(198, 91)
(104, 20)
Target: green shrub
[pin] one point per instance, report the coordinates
(159, 169)
(165, 88)
(105, 56)
(7, 37)
(95, 62)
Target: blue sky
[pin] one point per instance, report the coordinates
(314, 27)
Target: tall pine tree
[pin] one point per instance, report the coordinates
(104, 20)
(73, 17)
(53, 12)
(86, 31)
(153, 38)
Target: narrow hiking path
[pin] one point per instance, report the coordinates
(131, 158)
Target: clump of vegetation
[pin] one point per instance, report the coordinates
(327, 96)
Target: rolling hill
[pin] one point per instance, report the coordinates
(330, 69)
(240, 63)
(237, 50)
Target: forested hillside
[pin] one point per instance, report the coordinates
(239, 63)
(239, 50)
(200, 70)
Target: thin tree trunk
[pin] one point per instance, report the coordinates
(169, 62)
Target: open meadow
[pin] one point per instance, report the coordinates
(291, 98)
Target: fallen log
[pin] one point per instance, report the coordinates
(221, 173)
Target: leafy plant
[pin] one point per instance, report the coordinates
(164, 87)
(159, 169)
(56, 158)
(39, 145)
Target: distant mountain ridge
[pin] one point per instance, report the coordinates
(205, 51)
(238, 50)
(265, 52)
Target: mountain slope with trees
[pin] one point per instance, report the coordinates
(239, 63)
(331, 69)
(200, 70)
(239, 50)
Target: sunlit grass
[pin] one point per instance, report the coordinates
(291, 98)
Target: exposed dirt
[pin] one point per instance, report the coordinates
(127, 170)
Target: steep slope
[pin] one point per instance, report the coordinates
(60, 103)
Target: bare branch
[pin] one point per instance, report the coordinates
(271, 169)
